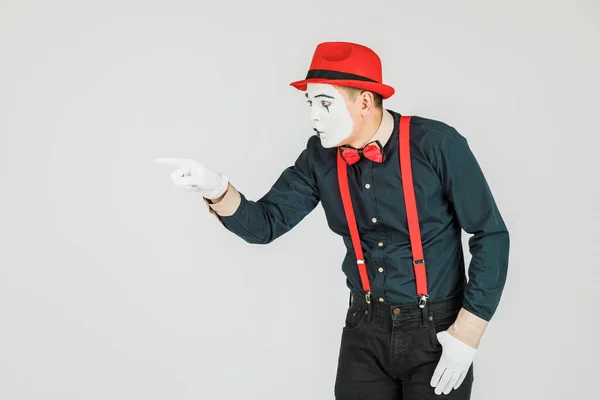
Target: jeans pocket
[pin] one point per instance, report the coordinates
(355, 317)
(438, 324)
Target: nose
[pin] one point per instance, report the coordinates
(314, 114)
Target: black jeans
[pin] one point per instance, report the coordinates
(391, 352)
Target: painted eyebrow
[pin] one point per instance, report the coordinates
(321, 95)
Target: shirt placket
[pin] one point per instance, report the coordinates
(377, 230)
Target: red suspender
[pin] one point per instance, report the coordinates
(347, 201)
(411, 210)
(411, 213)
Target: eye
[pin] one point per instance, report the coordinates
(325, 103)
(309, 102)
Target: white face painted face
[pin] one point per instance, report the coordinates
(330, 116)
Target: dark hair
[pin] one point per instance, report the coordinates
(354, 92)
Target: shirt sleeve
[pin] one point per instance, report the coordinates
(468, 191)
(293, 196)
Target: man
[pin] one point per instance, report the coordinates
(414, 323)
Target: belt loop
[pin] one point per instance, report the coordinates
(369, 300)
(426, 316)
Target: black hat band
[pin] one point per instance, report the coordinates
(336, 75)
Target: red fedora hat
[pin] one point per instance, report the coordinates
(346, 64)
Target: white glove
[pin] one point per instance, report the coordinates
(454, 364)
(193, 176)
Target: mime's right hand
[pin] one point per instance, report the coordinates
(192, 176)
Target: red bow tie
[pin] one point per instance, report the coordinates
(372, 151)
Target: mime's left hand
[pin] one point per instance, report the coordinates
(454, 364)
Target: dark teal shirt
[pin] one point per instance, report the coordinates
(451, 193)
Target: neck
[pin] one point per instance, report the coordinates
(368, 130)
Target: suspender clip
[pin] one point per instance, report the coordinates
(368, 296)
(423, 300)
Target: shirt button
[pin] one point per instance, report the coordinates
(367, 186)
(380, 244)
(381, 299)
(380, 269)
(374, 219)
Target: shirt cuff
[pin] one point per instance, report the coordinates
(228, 204)
(468, 328)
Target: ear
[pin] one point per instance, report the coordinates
(367, 103)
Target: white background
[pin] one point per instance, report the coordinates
(114, 285)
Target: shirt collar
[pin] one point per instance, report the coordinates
(386, 127)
